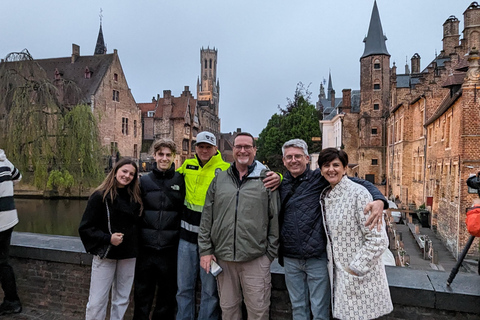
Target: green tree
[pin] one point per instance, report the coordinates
(299, 119)
(40, 133)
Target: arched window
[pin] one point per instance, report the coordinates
(376, 64)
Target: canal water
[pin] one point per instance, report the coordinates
(59, 217)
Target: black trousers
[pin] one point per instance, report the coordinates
(7, 277)
(155, 269)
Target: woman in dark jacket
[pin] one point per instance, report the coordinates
(108, 231)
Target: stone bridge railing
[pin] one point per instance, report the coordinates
(53, 275)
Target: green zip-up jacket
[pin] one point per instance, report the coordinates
(197, 180)
(240, 218)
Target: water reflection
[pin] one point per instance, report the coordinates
(60, 217)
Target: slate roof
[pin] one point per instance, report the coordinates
(375, 39)
(97, 65)
(100, 47)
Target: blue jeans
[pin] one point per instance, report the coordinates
(308, 286)
(188, 269)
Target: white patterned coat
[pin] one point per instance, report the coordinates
(351, 244)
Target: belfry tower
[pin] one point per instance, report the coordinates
(208, 91)
(208, 87)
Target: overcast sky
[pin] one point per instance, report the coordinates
(265, 47)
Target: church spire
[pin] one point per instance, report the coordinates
(330, 87)
(375, 39)
(100, 48)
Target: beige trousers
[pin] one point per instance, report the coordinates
(253, 279)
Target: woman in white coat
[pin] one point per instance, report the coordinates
(357, 275)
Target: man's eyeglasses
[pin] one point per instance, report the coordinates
(247, 148)
(297, 157)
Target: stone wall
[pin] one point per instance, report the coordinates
(53, 275)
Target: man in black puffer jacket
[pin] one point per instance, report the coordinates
(163, 193)
(302, 235)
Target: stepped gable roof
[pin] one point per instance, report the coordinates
(97, 66)
(375, 39)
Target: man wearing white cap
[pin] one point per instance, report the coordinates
(199, 173)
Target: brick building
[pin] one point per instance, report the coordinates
(417, 132)
(171, 117)
(181, 118)
(103, 86)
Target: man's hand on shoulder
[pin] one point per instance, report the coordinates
(272, 180)
(375, 219)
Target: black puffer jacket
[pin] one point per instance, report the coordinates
(302, 235)
(163, 194)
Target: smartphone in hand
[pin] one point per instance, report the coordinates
(215, 269)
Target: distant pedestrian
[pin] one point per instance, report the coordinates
(108, 231)
(357, 275)
(9, 175)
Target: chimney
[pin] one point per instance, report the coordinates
(450, 35)
(347, 99)
(186, 90)
(415, 63)
(75, 52)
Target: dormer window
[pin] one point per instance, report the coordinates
(88, 73)
(58, 75)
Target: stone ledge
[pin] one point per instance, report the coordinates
(409, 287)
(63, 249)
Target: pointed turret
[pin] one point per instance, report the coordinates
(330, 87)
(100, 48)
(375, 39)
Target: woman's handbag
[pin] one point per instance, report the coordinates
(102, 251)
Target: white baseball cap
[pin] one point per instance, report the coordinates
(206, 137)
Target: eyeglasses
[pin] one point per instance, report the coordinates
(247, 148)
(291, 157)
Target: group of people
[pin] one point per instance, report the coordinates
(163, 230)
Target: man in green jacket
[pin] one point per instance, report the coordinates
(239, 230)
(198, 173)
